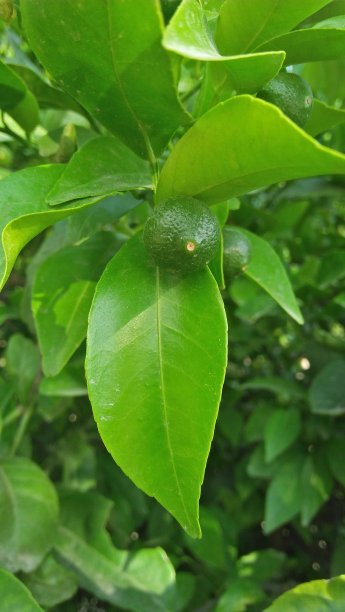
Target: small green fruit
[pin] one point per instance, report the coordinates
(182, 235)
(6, 156)
(292, 94)
(236, 252)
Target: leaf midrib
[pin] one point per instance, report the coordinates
(164, 401)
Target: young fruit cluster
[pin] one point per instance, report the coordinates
(236, 252)
(291, 94)
(182, 235)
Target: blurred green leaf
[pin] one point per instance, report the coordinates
(62, 294)
(29, 511)
(283, 500)
(323, 118)
(240, 596)
(332, 268)
(316, 484)
(15, 596)
(23, 364)
(318, 595)
(51, 583)
(266, 269)
(326, 394)
(282, 429)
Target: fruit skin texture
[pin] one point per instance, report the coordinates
(292, 94)
(182, 235)
(236, 252)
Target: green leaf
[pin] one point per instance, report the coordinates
(112, 79)
(317, 595)
(332, 268)
(29, 511)
(283, 498)
(51, 583)
(219, 157)
(12, 88)
(24, 212)
(26, 113)
(211, 548)
(15, 596)
(326, 394)
(23, 365)
(266, 269)
(282, 429)
(133, 588)
(62, 294)
(166, 334)
(244, 25)
(316, 44)
(316, 484)
(323, 118)
(101, 167)
(239, 595)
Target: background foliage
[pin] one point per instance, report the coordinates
(75, 532)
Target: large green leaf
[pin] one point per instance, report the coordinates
(101, 54)
(29, 513)
(62, 294)
(266, 269)
(244, 24)
(101, 167)
(320, 43)
(323, 118)
(238, 146)
(15, 596)
(316, 596)
(24, 212)
(155, 365)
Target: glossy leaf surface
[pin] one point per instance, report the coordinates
(62, 294)
(29, 511)
(104, 58)
(155, 366)
(24, 212)
(219, 156)
(101, 167)
(310, 45)
(244, 24)
(15, 596)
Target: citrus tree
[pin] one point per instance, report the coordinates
(169, 169)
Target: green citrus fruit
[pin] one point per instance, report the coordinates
(236, 252)
(292, 94)
(6, 156)
(182, 234)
